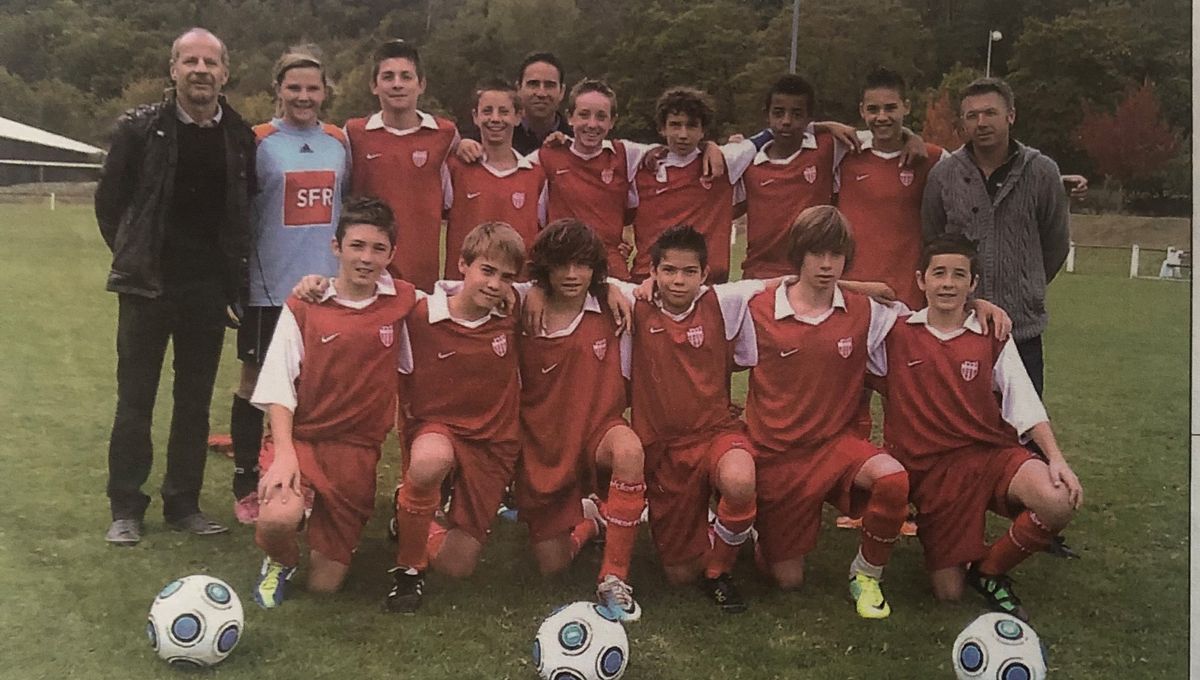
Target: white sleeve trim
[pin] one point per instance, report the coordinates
(738, 157)
(1020, 405)
(277, 379)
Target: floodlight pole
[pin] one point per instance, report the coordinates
(795, 35)
(993, 36)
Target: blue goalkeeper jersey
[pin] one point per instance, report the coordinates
(302, 173)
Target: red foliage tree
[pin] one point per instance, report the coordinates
(941, 122)
(1133, 142)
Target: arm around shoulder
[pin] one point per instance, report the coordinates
(933, 209)
(1054, 216)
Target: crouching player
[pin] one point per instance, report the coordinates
(694, 446)
(572, 403)
(460, 393)
(329, 388)
(956, 401)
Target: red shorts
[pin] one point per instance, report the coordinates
(550, 513)
(482, 470)
(679, 489)
(953, 496)
(793, 486)
(339, 492)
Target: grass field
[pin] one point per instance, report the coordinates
(75, 607)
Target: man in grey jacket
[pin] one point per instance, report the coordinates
(1010, 199)
(173, 205)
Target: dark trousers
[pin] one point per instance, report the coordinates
(192, 317)
(1031, 355)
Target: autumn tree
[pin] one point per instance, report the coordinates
(1133, 142)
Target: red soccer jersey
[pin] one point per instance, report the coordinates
(940, 393)
(464, 378)
(809, 378)
(480, 196)
(570, 385)
(684, 198)
(406, 172)
(776, 192)
(594, 190)
(347, 386)
(882, 201)
(680, 372)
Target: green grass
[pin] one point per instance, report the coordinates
(75, 607)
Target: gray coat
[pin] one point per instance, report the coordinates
(1023, 234)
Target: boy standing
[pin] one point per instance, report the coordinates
(328, 385)
(958, 405)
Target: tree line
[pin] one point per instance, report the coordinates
(1094, 80)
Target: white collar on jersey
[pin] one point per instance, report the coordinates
(439, 306)
(783, 308)
(523, 163)
(384, 286)
(375, 122)
(590, 304)
(809, 142)
(866, 141)
(684, 314)
(605, 145)
(971, 323)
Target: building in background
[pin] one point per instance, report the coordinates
(28, 155)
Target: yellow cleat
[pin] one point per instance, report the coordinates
(868, 597)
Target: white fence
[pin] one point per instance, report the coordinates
(1168, 263)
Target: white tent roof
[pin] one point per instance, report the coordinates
(11, 129)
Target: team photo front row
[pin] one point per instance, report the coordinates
(485, 404)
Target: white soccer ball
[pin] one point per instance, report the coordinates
(195, 621)
(998, 647)
(581, 641)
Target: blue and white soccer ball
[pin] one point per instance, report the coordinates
(195, 621)
(581, 641)
(998, 647)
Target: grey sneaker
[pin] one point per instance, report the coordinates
(126, 532)
(196, 523)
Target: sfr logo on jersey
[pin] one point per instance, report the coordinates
(308, 197)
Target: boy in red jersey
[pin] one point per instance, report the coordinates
(505, 186)
(677, 191)
(958, 403)
(329, 386)
(694, 446)
(570, 444)
(399, 154)
(472, 433)
(808, 331)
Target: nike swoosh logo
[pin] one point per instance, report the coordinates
(661, 190)
(859, 178)
(789, 352)
(328, 338)
(373, 156)
(765, 182)
(914, 362)
(549, 368)
(446, 355)
(657, 330)
(562, 171)
(473, 195)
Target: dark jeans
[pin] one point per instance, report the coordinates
(1031, 355)
(193, 317)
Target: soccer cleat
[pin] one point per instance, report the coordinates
(197, 524)
(591, 510)
(407, 590)
(722, 591)
(1058, 548)
(272, 582)
(998, 592)
(124, 532)
(617, 596)
(245, 509)
(868, 597)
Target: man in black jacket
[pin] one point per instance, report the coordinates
(173, 205)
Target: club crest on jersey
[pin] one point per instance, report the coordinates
(600, 348)
(845, 347)
(419, 157)
(968, 370)
(500, 345)
(606, 175)
(387, 335)
(695, 336)
(518, 199)
(906, 177)
(810, 174)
